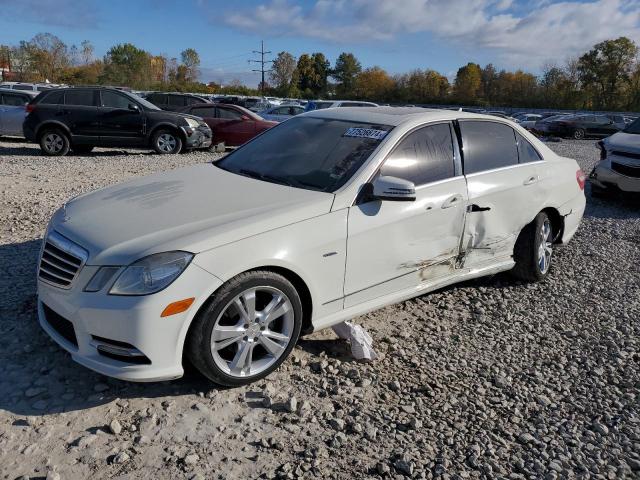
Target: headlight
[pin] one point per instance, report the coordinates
(151, 274)
(192, 123)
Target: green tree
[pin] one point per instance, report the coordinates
(125, 64)
(345, 71)
(607, 69)
(322, 68)
(191, 64)
(307, 76)
(467, 84)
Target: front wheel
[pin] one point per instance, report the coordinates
(247, 330)
(54, 143)
(579, 134)
(533, 251)
(165, 142)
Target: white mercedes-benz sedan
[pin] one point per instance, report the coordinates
(324, 217)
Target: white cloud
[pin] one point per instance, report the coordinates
(522, 34)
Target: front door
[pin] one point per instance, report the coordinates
(394, 246)
(505, 185)
(232, 126)
(120, 124)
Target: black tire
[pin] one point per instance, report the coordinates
(198, 342)
(166, 142)
(82, 149)
(54, 142)
(579, 134)
(526, 252)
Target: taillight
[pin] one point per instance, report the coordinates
(30, 108)
(581, 178)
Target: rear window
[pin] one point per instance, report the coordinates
(53, 98)
(305, 152)
(526, 152)
(80, 98)
(176, 101)
(157, 98)
(14, 100)
(194, 100)
(487, 145)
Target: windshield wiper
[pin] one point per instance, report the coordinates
(264, 176)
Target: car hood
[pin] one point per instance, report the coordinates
(193, 209)
(627, 142)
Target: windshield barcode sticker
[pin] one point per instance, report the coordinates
(365, 133)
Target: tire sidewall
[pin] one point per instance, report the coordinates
(215, 307)
(157, 149)
(65, 140)
(538, 222)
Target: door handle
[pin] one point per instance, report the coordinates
(531, 180)
(452, 201)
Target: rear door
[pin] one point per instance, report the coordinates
(120, 125)
(12, 112)
(505, 194)
(80, 114)
(394, 246)
(232, 128)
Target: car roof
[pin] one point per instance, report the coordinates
(394, 116)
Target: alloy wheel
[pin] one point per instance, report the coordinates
(252, 331)
(545, 250)
(167, 142)
(53, 143)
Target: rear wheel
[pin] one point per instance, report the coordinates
(578, 134)
(247, 330)
(54, 142)
(533, 251)
(166, 142)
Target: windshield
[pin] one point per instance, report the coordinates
(145, 103)
(633, 127)
(305, 152)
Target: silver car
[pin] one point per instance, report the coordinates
(13, 110)
(619, 167)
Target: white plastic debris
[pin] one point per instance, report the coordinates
(360, 341)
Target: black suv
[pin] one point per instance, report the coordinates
(82, 118)
(174, 102)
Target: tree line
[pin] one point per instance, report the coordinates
(607, 77)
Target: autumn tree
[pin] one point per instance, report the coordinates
(190, 65)
(345, 71)
(282, 72)
(468, 82)
(374, 84)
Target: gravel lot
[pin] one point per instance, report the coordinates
(488, 379)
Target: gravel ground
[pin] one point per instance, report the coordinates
(487, 379)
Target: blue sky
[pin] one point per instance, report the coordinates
(397, 35)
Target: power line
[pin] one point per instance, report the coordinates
(262, 63)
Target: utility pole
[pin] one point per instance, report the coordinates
(262, 63)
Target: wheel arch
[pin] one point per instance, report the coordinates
(167, 126)
(52, 124)
(557, 223)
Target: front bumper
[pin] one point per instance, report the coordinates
(605, 177)
(131, 323)
(200, 137)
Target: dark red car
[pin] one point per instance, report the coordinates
(231, 124)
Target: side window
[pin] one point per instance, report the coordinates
(424, 156)
(229, 114)
(79, 97)
(114, 100)
(15, 100)
(209, 112)
(53, 98)
(176, 101)
(526, 152)
(157, 98)
(487, 145)
(194, 100)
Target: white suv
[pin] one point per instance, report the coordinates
(322, 218)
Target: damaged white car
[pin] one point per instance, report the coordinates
(322, 218)
(619, 167)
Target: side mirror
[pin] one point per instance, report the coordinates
(391, 189)
(133, 107)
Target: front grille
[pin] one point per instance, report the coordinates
(626, 170)
(626, 154)
(60, 324)
(61, 260)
